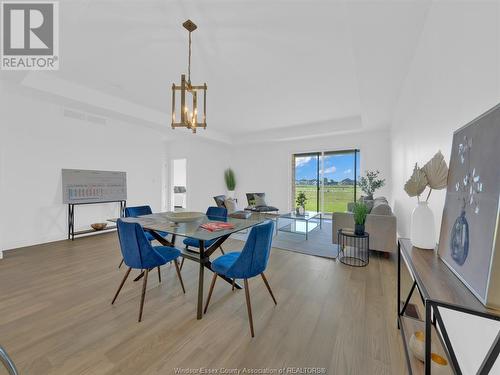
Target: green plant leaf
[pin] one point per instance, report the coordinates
(230, 179)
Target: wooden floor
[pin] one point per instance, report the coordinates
(56, 316)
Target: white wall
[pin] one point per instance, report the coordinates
(454, 78)
(266, 166)
(206, 162)
(40, 141)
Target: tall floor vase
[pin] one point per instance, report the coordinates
(423, 229)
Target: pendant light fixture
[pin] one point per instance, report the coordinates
(189, 96)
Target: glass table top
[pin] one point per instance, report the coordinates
(159, 222)
(299, 227)
(308, 215)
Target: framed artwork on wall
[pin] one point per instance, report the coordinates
(469, 242)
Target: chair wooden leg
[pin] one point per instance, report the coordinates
(121, 285)
(232, 287)
(249, 307)
(182, 263)
(214, 279)
(120, 265)
(268, 287)
(144, 285)
(159, 274)
(222, 250)
(179, 275)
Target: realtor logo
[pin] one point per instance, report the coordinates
(30, 35)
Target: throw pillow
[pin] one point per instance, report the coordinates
(260, 200)
(231, 205)
(381, 208)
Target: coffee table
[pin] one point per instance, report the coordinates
(301, 224)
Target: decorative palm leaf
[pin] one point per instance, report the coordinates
(436, 172)
(417, 182)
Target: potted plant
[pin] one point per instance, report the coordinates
(301, 203)
(371, 183)
(360, 212)
(230, 180)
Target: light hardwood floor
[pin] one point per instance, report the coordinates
(56, 316)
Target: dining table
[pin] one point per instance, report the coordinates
(157, 223)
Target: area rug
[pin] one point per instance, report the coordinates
(319, 242)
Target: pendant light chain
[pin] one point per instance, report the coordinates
(189, 60)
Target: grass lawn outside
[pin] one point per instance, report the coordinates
(336, 197)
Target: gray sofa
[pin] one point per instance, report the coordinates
(380, 223)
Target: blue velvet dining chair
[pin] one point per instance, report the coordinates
(141, 211)
(248, 263)
(138, 253)
(213, 213)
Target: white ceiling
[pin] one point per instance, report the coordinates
(268, 64)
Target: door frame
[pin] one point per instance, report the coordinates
(319, 173)
(171, 183)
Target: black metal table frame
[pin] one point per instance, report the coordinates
(433, 317)
(202, 257)
(319, 214)
(341, 249)
(71, 217)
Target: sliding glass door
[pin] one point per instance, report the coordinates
(306, 175)
(329, 179)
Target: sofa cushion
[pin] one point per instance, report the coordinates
(251, 198)
(260, 200)
(219, 200)
(262, 209)
(231, 205)
(381, 207)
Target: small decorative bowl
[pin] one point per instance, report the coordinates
(439, 365)
(98, 226)
(417, 345)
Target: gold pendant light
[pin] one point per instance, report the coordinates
(189, 95)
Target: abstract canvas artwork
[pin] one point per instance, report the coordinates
(468, 242)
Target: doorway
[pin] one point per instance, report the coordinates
(179, 185)
(329, 179)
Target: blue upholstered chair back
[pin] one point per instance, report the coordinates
(136, 249)
(217, 213)
(255, 253)
(137, 211)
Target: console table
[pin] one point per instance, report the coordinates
(71, 218)
(438, 288)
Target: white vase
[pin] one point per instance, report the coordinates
(423, 230)
(230, 194)
(417, 345)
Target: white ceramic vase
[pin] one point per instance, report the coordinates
(230, 194)
(417, 345)
(423, 230)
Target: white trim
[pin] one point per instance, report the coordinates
(322, 153)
